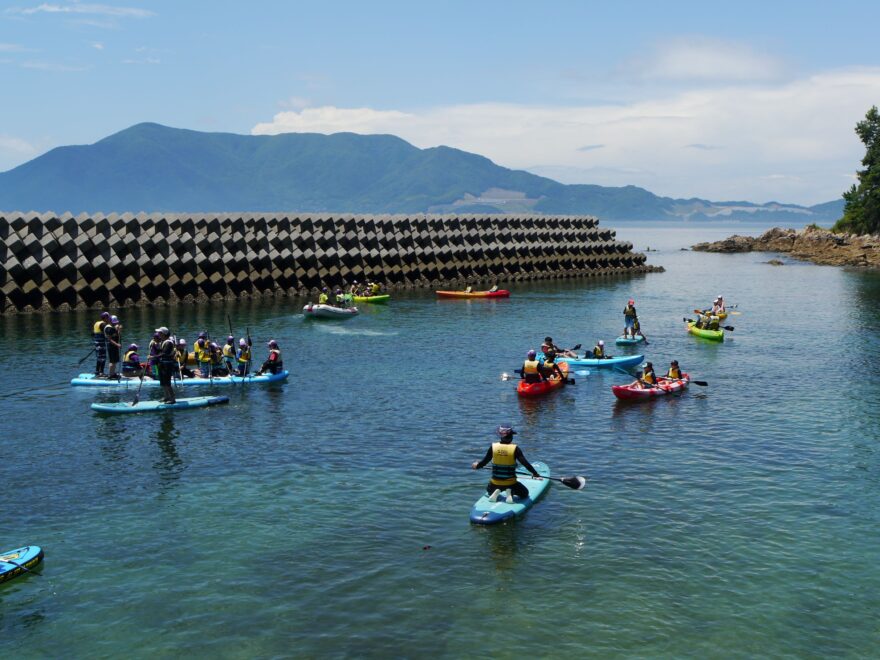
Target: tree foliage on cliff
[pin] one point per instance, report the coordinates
(861, 214)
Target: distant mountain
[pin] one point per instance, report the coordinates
(150, 167)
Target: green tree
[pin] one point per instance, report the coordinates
(861, 214)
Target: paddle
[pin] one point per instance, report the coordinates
(137, 396)
(83, 360)
(247, 371)
(21, 566)
(568, 381)
(575, 483)
(726, 327)
(228, 363)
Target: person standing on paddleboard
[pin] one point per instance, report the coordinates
(100, 341)
(244, 356)
(504, 456)
(112, 335)
(167, 363)
(629, 318)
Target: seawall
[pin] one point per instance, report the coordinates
(50, 262)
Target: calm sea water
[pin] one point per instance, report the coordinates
(328, 516)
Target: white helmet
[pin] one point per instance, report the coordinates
(601, 343)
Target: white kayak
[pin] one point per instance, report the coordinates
(127, 407)
(311, 311)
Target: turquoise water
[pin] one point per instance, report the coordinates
(329, 516)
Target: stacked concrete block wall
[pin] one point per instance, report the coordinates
(63, 262)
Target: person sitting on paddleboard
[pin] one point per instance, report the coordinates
(504, 456)
(273, 363)
(218, 367)
(182, 357)
(531, 369)
(629, 317)
(131, 362)
(549, 367)
(599, 350)
(244, 356)
(167, 362)
(548, 346)
(648, 379)
(674, 372)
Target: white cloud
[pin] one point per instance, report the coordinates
(801, 129)
(703, 59)
(98, 45)
(12, 48)
(83, 8)
(145, 60)
(13, 151)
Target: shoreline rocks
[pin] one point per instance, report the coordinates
(809, 244)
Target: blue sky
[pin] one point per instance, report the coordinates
(744, 100)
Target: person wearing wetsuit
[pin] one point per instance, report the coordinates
(100, 341)
(504, 456)
(112, 335)
(167, 363)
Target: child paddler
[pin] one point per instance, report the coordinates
(504, 456)
(244, 357)
(167, 362)
(229, 355)
(113, 339)
(131, 362)
(100, 341)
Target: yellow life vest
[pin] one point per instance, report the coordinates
(530, 367)
(599, 352)
(228, 351)
(673, 373)
(375, 289)
(244, 355)
(98, 328)
(203, 353)
(629, 310)
(649, 377)
(322, 299)
(127, 356)
(503, 464)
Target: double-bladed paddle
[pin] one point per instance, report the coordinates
(575, 483)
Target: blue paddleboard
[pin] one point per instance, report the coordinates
(89, 380)
(622, 361)
(11, 561)
(125, 407)
(629, 341)
(486, 512)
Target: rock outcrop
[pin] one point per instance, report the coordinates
(810, 244)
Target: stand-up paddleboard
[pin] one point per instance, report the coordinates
(125, 407)
(486, 512)
(90, 380)
(12, 561)
(629, 341)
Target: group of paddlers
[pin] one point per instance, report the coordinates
(710, 319)
(343, 296)
(208, 358)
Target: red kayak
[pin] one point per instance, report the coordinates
(544, 386)
(636, 392)
(500, 293)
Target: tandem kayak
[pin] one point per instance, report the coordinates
(124, 407)
(708, 312)
(635, 392)
(12, 561)
(714, 335)
(90, 380)
(628, 341)
(384, 298)
(486, 512)
(501, 293)
(311, 311)
(622, 361)
(543, 386)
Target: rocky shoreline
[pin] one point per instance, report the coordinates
(810, 244)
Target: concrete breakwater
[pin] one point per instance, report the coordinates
(64, 262)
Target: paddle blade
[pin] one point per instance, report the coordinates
(583, 372)
(701, 383)
(575, 483)
(575, 347)
(729, 328)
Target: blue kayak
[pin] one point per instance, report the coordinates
(486, 512)
(11, 561)
(126, 407)
(622, 361)
(90, 380)
(629, 341)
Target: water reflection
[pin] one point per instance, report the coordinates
(169, 466)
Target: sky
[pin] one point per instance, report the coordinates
(752, 101)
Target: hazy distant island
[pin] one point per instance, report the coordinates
(149, 167)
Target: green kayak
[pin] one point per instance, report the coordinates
(383, 298)
(714, 335)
